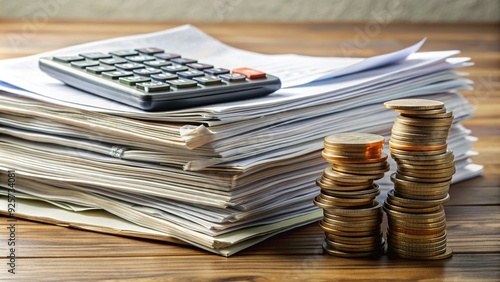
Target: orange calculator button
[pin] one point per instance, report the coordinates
(250, 73)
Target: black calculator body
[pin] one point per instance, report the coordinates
(152, 79)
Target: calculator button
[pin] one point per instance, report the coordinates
(84, 64)
(133, 80)
(182, 83)
(216, 71)
(174, 68)
(167, 56)
(250, 73)
(199, 66)
(146, 71)
(153, 86)
(183, 61)
(140, 58)
(233, 77)
(116, 74)
(99, 69)
(95, 55)
(68, 59)
(208, 80)
(113, 61)
(190, 74)
(123, 53)
(157, 63)
(149, 50)
(130, 66)
(163, 76)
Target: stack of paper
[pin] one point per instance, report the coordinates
(220, 177)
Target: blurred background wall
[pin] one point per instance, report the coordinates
(254, 10)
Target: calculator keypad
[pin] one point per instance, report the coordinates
(152, 70)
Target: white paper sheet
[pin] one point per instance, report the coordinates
(293, 70)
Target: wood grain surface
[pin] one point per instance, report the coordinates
(52, 253)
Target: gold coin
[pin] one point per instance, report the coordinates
(365, 193)
(413, 104)
(362, 166)
(437, 162)
(421, 112)
(374, 209)
(438, 173)
(422, 197)
(373, 239)
(418, 252)
(402, 129)
(422, 179)
(416, 239)
(353, 234)
(405, 134)
(407, 216)
(373, 173)
(393, 219)
(338, 253)
(415, 225)
(357, 224)
(410, 218)
(421, 192)
(365, 170)
(376, 217)
(351, 155)
(317, 201)
(349, 177)
(425, 122)
(447, 254)
(416, 142)
(353, 248)
(428, 231)
(415, 254)
(426, 166)
(412, 247)
(440, 115)
(390, 204)
(366, 149)
(412, 203)
(343, 160)
(355, 139)
(434, 169)
(344, 202)
(327, 184)
(417, 148)
(428, 128)
(418, 139)
(396, 153)
(418, 185)
(343, 228)
(374, 152)
(335, 231)
(421, 246)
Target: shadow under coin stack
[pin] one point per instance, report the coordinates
(351, 215)
(416, 217)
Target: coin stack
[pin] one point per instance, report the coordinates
(351, 215)
(416, 217)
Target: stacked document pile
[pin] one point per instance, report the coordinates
(221, 177)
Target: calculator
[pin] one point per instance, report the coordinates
(153, 80)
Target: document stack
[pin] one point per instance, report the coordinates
(220, 177)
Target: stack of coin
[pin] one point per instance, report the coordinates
(416, 218)
(352, 216)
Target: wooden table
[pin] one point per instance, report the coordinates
(473, 214)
